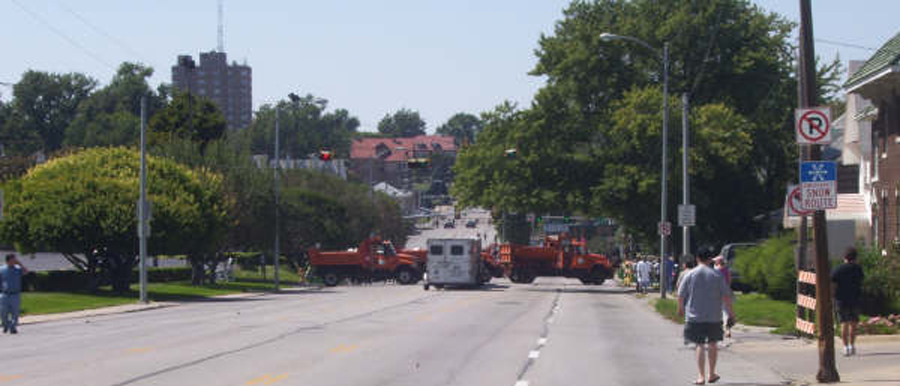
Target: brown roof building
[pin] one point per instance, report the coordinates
(385, 159)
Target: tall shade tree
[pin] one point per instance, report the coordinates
(402, 123)
(463, 127)
(45, 103)
(306, 127)
(83, 205)
(111, 115)
(190, 117)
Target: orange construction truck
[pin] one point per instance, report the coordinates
(558, 256)
(374, 259)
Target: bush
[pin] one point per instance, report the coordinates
(72, 281)
(769, 267)
(882, 282)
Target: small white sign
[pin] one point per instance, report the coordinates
(793, 202)
(665, 228)
(813, 126)
(687, 215)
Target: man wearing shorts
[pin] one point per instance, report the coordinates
(847, 279)
(702, 295)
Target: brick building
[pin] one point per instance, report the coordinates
(385, 159)
(229, 86)
(878, 82)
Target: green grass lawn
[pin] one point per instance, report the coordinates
(36, 303)
(751, 309)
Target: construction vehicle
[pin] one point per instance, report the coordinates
(374, 259)
(559, 255)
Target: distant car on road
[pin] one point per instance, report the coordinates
(471, 224)
(449, 224)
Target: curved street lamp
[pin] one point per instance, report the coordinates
(664, 58)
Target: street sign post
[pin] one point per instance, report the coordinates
(665, 229)
(793, 202)
(813, 126)
(818, 185)
(687, 215)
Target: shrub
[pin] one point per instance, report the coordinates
(71, 280)
(882, 281)
(769, 267)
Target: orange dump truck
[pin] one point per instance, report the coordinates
(558, 256)
(374, 259)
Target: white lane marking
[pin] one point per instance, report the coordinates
(522, 383)
(542, 341)
(534, 354)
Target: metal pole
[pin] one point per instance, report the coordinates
(824, 312)
(665, 166)
(277, 193)
(371, 187)
(142, 205)
(685, 164)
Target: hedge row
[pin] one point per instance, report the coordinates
(79, 281)
(769, 267)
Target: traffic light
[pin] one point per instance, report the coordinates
(325, 155)
(418, 163)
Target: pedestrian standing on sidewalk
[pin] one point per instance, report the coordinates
(847, 279)
(643, 276)
(726, 274)
(11, 285)
(701, 296)
(670, 273)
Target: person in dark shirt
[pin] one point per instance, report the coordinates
(847, 279)
(10, 287)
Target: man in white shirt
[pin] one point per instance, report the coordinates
(643, 275)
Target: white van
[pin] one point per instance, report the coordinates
(453, 262)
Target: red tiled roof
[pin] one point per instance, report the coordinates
(366, 147)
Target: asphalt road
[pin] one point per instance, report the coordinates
(483, 229)
(553, 332)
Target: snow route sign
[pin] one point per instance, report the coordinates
(813, 126)
(818, 185)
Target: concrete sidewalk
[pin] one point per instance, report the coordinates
(797, 360)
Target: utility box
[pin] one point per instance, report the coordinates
(453, 262)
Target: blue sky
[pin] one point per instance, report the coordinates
(369, 57)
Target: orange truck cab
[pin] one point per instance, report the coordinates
(374, 259)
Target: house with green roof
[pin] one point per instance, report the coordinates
(877, 82)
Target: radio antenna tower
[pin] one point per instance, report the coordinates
(221, 46)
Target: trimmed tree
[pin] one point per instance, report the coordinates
(83, 205)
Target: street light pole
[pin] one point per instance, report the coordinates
(685, 178)
(142, 206)
(663, 210)
(277, 193)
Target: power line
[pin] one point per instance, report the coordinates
(100, 31)
(63, 35)
(847, 45)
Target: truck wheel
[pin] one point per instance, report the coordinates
(598, 275)
(331, 279)
(406, 276)
(426, 286)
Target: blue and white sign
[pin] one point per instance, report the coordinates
(818, 185)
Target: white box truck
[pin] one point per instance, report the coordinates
(453, 262)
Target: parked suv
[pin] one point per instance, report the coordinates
(729, 252)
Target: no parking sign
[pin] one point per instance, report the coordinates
(813, 126)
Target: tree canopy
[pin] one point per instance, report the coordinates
(590, 141)
(190, 117)
(463, 127)
(43, 105)
(402, 123)
(83, 205)
(306, 127)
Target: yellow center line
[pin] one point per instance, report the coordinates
(140, 350)
(7, 378)
(266, 379)
(344, 348)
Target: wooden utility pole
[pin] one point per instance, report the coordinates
(824, 312)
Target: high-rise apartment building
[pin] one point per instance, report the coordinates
(230, 86)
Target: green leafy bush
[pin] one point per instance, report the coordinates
(74, 281)
(769, 267)
(882, 282)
